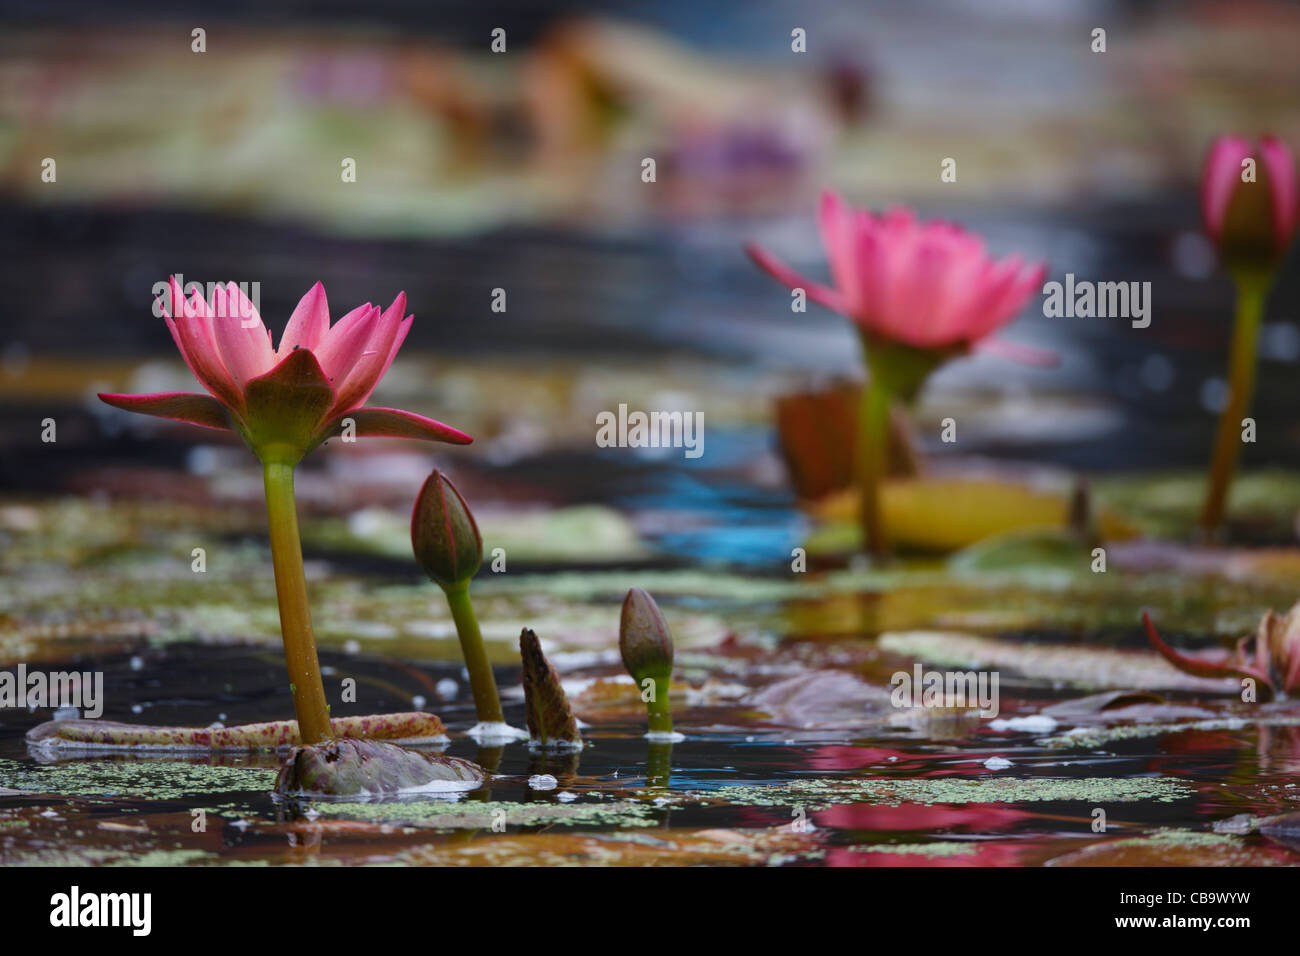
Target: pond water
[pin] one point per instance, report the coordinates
(793, 750)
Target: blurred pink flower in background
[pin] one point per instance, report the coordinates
(929, 285)
(1234, 217)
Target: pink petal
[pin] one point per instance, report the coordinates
(1220, 178)
(1025, 354)
(395, 423)
(372, 363)
(192, 329)
(179, 406)
(1282, 178)
(402, 330)
(308, 323)
(835, 220)
(241, 337)
(820, 294)
(345, 341)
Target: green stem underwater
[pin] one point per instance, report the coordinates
(659, 711)
(295, 617)
(487, 704)
(1252, 288)
(872, 464)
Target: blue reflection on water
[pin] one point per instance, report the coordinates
(718, 515)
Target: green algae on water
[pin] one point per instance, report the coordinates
(152, 779)
(483, 815)
(821, 794)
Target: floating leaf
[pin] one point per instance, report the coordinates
(1078, 666)
(112, 735)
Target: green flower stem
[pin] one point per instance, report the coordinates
(295, 617)
(659, 764)
(873, 463)
(660, 711)
(487, 703)
(1252, 288)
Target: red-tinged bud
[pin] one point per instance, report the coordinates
(445, 539)
(1249, 201)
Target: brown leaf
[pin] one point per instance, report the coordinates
(551, 724)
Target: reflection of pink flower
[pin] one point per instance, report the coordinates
(930, 285)
(921, 817)
(1270, 222)
(982, 853)
(1274, 663)
(286, 401)
(843, 757)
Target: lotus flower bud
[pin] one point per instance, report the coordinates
(1252, 218)
(445, 538)
(644, 638)
(647, 648)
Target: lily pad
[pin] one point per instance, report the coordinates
(373, 768)
(111, 735)
(1078, 666)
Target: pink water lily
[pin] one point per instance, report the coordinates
(929, 285)
(285, 400)
(1274, 662)
(920, 294)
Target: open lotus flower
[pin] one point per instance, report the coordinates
(919, 293)
(1274, 663)
(286, 400)
(1251, 213)
(1253, 218)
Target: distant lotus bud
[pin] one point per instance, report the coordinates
(444, 536)
(647, 647)
(1248, 199)
(644, 638)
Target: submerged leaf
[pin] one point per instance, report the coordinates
(372, 768)
(717, 847)
(947, 513)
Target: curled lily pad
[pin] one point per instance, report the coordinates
(551, 724)
(348, 767)
(112, 735)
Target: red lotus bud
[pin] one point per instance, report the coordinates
(445, 538)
